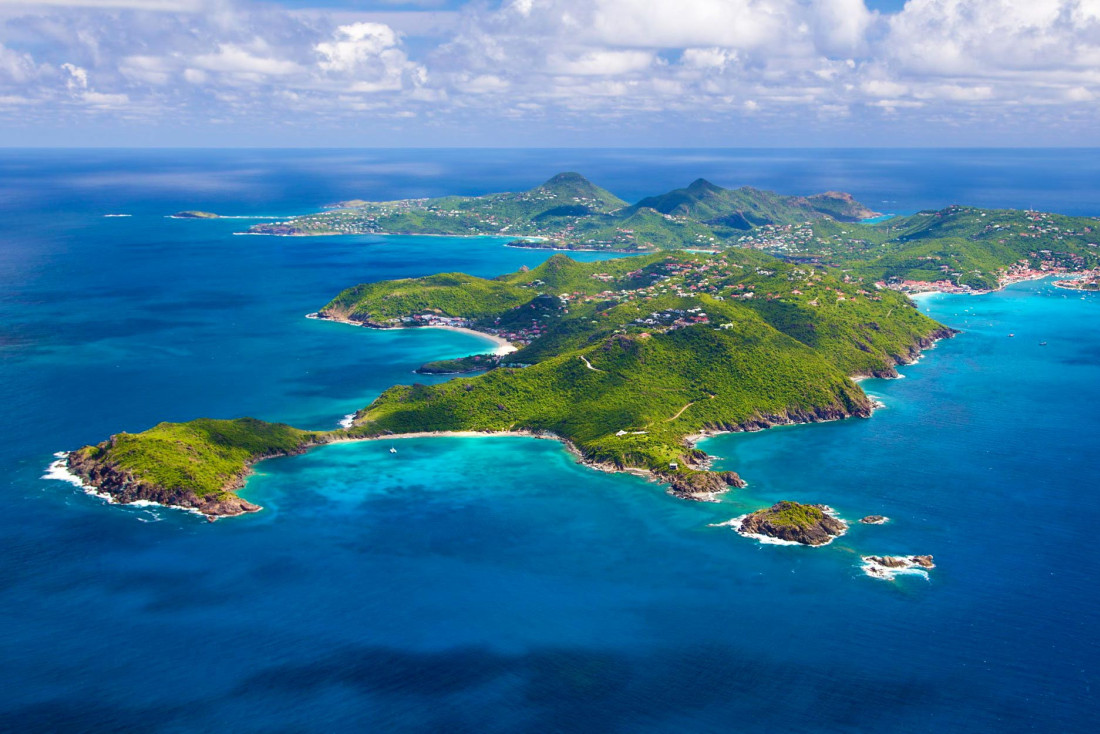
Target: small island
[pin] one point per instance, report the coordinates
(874, 520)
(792, 522)
(195, 215)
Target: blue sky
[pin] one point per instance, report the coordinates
(672, 73)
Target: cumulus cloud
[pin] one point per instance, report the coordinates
(370, 56)
(555, 62)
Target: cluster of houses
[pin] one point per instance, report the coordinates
(672, 319)
(432, 319)
(780, 238)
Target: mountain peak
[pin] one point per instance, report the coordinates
(568, 178)
(700, 185)
(572, 185)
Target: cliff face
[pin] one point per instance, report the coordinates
(124, 488)
(100, 467)
(914, 351)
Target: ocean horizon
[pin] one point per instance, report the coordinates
(493, 584)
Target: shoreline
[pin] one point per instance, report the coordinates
(692, 440)
(503, 346)
(1002, 283)
(363, 234)
(762, 539)
(580, 249)
(59, 468)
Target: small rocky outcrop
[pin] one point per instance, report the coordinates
(794, 523)
(701, 486)
(874, 520)
(888, 567)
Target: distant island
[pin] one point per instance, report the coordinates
(955, 249)
(744, 310)
(195, 215)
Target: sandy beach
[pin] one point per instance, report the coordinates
(503, 346)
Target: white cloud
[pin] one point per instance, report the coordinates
(370, 56)
(78, 78)
(602, 63)
(557, 62)
(96, 99)
(234, 59)
(356, 44)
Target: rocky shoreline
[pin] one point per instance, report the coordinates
(913, 354)
(697, 483)
(121, 487)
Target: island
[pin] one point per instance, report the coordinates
(195, 215)
(954, 249)
(740, 309)
(792, 522)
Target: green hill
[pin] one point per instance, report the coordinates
(746, 207)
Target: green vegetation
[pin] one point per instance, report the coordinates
(195, 215)
(624, 359)
(746, 207)
(956, 247)
(627, 357)
(793, 514)
(749, 309)
(473, 363)
(203, 456)
(447, 294)
(570, 212)
(960, 246)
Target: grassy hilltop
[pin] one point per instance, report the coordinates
(623, 359)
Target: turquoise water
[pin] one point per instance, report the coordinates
(492, 584)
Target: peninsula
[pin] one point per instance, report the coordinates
(624, 360)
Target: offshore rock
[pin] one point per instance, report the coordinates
(794, 523)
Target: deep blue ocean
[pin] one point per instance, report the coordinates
(491, 584)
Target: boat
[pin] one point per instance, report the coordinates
(1042, 344)
(1012, 335)
(393, 450)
